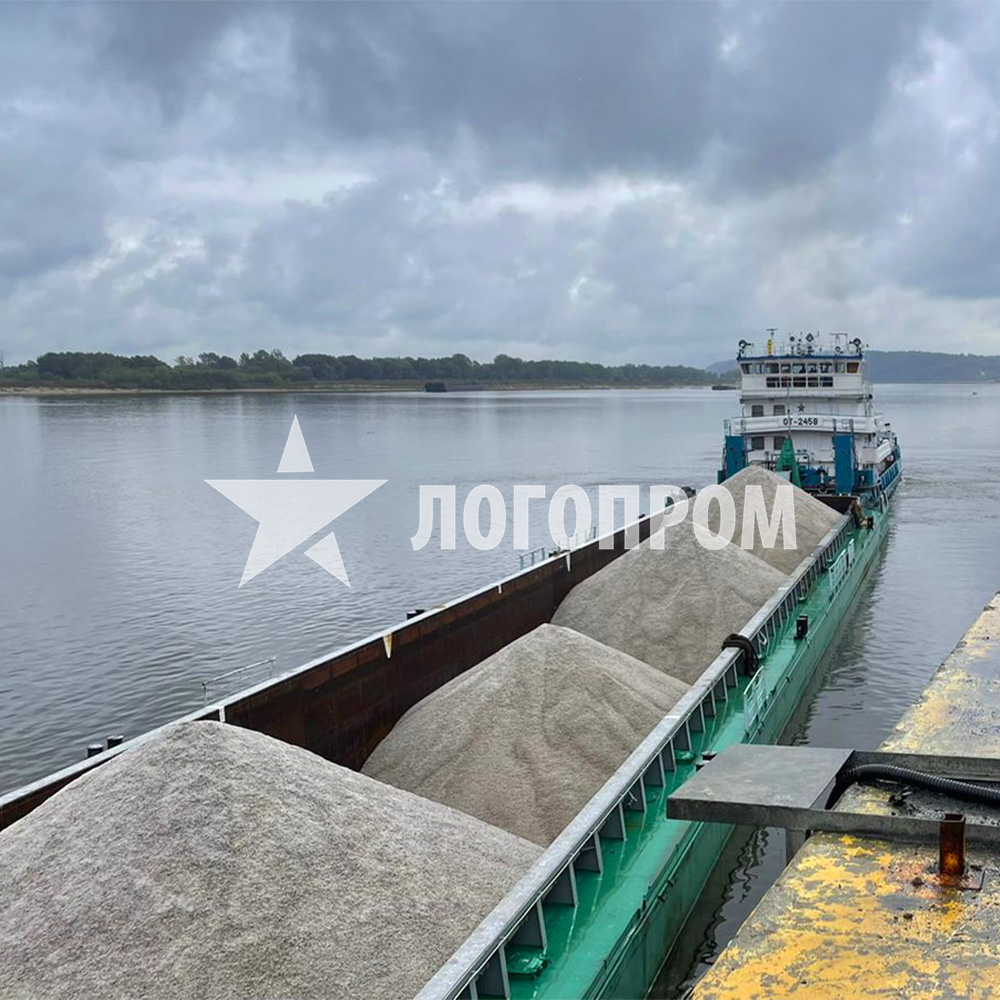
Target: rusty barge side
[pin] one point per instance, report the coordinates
(341, 705)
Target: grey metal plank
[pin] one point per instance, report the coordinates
(757, 779)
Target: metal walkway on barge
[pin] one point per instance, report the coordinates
(861, 917)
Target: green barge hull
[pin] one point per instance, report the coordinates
(601, 910)
(695, 847)
(880, 918)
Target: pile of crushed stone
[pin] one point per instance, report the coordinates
(671, 608)
(813, 519)
(526, 738)
(217, 862)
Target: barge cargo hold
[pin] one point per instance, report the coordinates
(599, 911)
(596, 915)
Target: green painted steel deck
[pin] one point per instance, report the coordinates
(865, 918)
(613, 943)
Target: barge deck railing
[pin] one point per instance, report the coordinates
(479, 966)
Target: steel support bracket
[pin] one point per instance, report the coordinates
(790, 787)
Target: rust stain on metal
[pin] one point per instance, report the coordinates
(951, 846)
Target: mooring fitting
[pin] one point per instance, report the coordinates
(951, 845)
(801, 627)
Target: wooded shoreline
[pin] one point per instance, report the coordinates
(65, 391)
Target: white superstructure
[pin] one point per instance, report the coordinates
(815, 392)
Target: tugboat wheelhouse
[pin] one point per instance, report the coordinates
(807, 407)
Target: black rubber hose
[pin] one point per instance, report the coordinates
(966, 791)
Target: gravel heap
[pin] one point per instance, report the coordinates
(671, 608)
(525, 739)
(813, 519)
(217, 862)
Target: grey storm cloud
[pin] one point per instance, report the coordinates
(595, 180)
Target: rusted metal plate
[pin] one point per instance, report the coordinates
(340, 706)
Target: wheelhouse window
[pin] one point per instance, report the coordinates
(757, 410)
(779, 409)
(852, 367)
(746, 369)
(771, 368)
(841, 368)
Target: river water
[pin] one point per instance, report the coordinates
(119, 566)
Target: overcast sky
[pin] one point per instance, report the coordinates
(613, 182)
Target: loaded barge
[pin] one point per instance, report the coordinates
(598, 912)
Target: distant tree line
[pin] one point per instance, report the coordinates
(271, 369)
(932, 366)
